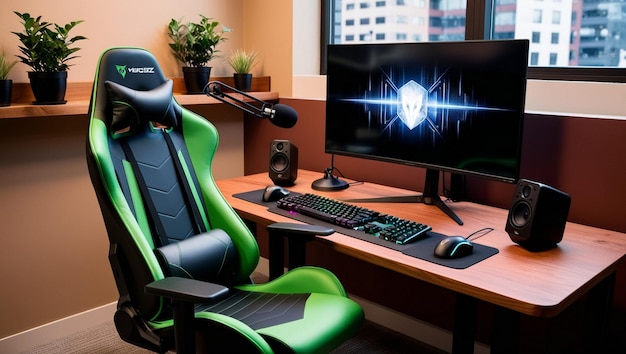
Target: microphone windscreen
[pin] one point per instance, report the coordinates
(284, 116)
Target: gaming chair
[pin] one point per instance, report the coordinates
(181, 257)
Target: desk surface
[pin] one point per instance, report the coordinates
(537, 284)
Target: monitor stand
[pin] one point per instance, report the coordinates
(329, 182)
(430, 196)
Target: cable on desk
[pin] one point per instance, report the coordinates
(484, 231)
(342, 176)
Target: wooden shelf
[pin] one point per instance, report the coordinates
(77, 97)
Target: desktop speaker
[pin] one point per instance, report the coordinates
(283, 162)
(537, 216)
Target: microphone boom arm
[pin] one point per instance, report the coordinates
(213, 89)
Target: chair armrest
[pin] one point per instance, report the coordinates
(297, 236)
(187, 290)
(184, 292)
(293, 229)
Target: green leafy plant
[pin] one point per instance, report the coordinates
(6, 66)
(46, 46)
(194, 44)
(241, 61)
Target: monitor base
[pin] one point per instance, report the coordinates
(329, 182)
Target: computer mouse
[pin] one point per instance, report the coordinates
(274, 193)
(454, 247)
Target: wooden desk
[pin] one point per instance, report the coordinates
(517, 281)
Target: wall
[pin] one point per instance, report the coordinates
(42, 170)
(576, 154)
(269, 30)
(54, 254)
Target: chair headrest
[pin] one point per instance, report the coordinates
(133, 107)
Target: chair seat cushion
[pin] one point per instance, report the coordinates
(328, 321)
(329, 316)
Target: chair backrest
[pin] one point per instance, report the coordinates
(150, 161)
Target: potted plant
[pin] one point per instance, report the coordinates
(5, 84)
(242, 61)
(194, 45)
(46, 49)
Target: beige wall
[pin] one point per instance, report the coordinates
(265, 26)
(121, 23)
(53, 257)
(269, 29)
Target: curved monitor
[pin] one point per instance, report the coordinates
(449, 106)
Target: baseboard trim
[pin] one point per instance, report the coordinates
(409, 326)
(63, 327)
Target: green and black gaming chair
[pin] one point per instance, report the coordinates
(180, 255)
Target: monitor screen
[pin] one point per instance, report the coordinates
(445, 106)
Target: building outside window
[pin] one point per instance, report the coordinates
(595, 29)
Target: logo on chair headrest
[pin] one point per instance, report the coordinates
(122, 70)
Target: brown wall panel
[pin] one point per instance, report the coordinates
(582, 156)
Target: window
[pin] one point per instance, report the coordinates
(537, 15)
(582, 39)
(534, 58)
(553, 57)
(536, 37)
(556, 17)
(554, 38)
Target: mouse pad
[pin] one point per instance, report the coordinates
(422, 249)
(256, 197)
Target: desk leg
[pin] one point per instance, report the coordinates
(464, 331)
(276, 255)
(597, 312)
(505, 332)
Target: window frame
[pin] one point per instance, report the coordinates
(477, 26)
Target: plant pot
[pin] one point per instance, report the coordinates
(48, 87)
(243, 82)
(196, 78)
(5, 92)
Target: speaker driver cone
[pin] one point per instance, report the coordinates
(521, 214)
(279, 162)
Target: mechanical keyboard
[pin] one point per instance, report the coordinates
(381, 226)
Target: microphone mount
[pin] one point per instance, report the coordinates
(215, 89)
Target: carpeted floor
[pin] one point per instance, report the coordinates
(103, 339)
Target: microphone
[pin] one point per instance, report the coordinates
(279, 114)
